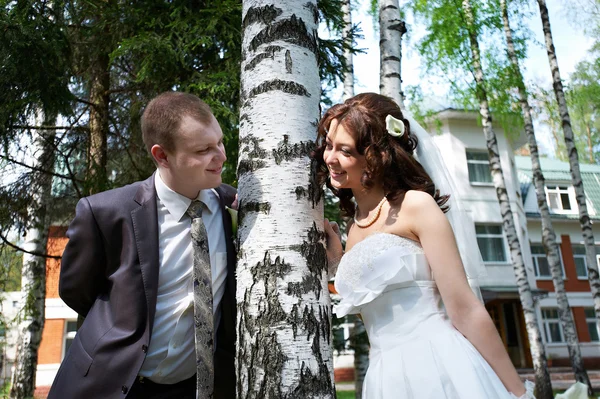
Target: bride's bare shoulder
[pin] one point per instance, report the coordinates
(413, 200)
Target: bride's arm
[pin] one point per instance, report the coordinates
(466, 312)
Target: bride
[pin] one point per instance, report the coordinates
(402, 262)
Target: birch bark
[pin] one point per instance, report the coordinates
(284, 313)
(391, 29)
(34, 273)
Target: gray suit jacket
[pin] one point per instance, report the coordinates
(109, 274)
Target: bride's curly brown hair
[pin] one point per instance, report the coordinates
(389, 159)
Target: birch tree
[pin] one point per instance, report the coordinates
(347, 37)
(453, 44)
(284, 314)
(584, 218)
(548, 235)
(391, 29)
(34, 273)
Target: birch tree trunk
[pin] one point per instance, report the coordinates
(284, 311)
(34, 274)
(349, 72)
(391, 29)
(584, 219)
(544, 388)
(543, 383)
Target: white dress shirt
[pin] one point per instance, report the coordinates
(171, 356)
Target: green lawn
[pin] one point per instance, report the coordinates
(345, 395)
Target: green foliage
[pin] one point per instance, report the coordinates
(11, 263)
(583, 97)
(446, 51)
(35, 70)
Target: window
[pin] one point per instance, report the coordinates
(491, 243)
(580, 262)
(552, 329)
(479, 167)
(559, 198)
(70, 331)
(540, 262)
(590, 319)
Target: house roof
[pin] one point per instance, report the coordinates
(560, 172)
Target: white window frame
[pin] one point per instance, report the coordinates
(67, 335)
(589, 320)
(478, 162)
(546, 326)
(504, 243)
(558, 189)
(584, 257)
(535, 265)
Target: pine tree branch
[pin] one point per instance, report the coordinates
(10, 244)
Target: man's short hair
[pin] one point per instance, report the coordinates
(163, 115)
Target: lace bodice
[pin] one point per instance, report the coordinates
(379, 263)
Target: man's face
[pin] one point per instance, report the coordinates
(197, 160)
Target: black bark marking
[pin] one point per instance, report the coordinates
(311, 385)
(301, 192)
(277, 84)
(309, 283)
(257, 151)
(288, 61)
(315, 191)
(247, 165)
(392, 7)
(263, 207)
(291, 30)
(400, 27)
(286, 151)
(268, 53)
(391, 58)
(266, 15)
(392, 75)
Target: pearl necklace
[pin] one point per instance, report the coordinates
(373, 218)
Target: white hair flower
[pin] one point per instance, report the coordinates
(395, 127)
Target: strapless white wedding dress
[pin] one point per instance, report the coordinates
(416, 353)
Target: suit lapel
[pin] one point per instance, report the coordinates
(145, 227)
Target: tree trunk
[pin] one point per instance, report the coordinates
(543, 385)
(544, 390)
(34, 273)
(391, 29)
(349, 72)
(584, 219)
(590, 144)
(97, 147)
(284, 310)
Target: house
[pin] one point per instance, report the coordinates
(560, 196)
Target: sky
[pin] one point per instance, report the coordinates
(570, 41)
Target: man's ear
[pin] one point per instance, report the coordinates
(160, 156)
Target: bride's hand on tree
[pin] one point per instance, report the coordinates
(334, 245)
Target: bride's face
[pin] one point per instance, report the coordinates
(345, 164)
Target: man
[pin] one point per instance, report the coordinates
(129, 263)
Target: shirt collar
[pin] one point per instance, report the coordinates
(178, 204)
